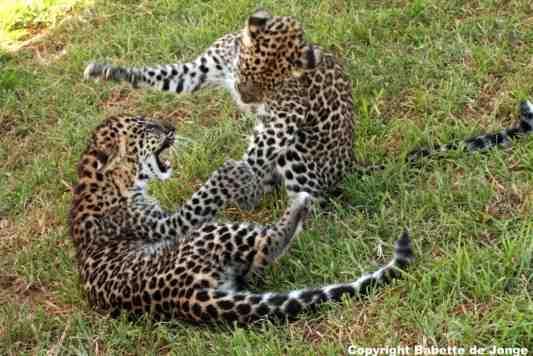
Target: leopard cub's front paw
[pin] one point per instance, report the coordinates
(241, 184)
(93, 71)
(104, 71)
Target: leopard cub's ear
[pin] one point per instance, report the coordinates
(258, 20)
(107, 158)
(101, 159)
(311, 57)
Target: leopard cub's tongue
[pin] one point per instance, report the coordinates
(162, 160)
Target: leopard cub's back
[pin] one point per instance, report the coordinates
(307, 102)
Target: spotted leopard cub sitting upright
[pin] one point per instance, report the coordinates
(132, 255)
(300, 94)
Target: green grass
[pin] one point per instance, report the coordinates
(22, 19)
(423, 71)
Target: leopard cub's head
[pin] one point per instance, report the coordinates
(272, 50)
(125, 152)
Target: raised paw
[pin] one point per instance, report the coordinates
(303, 199)
(297, 212)
(301, 203)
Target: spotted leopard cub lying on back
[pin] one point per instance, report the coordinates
(300, 94)
(132, 255)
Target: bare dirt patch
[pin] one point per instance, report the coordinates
(8, 233)
(120, 100)
(508, 200)
(16, 290)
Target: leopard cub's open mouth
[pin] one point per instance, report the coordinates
(161, 155)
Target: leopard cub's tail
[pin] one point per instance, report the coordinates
(504, 137)
(246, 307)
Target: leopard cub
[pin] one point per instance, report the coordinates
(300, 94)
(134, 256)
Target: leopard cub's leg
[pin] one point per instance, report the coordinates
(275, 239)
(245, 184)
(234, 182)
(214, 67)
(244, 250)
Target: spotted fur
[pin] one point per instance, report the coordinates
(134, 256)
(300, 94)
(524, 127)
